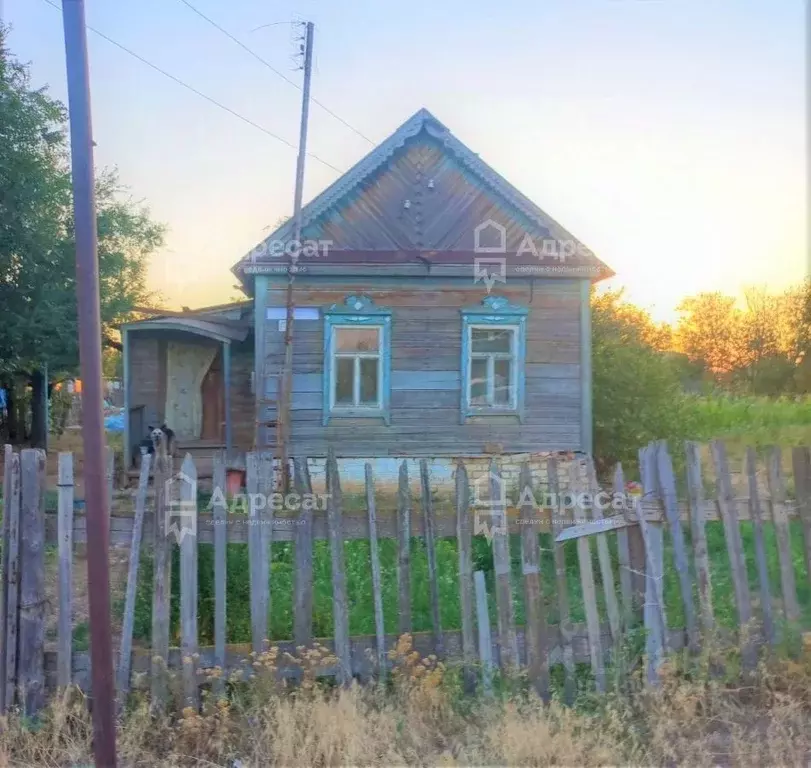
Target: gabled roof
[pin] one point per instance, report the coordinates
(422, 122)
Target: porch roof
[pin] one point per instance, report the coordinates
(221, 331)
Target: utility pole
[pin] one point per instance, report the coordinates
(286, 379)
(87, 290)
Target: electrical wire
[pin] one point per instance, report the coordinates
(271, 67)
(198, 92)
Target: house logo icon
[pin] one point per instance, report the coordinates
(490, 237)
(180, 492)
(489, 501)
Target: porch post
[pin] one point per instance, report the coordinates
(126, 354)
(226, 367)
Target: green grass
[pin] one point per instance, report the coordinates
(359, 586)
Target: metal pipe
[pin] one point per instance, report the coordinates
(93, 439)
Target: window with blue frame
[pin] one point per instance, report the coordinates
(493, 357)
(357, 359)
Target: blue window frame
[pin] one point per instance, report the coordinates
(494, 342)
(357, 360)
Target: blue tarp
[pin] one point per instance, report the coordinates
(114, 422)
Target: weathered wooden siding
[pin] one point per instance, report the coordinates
(426, 354)
(147, 385)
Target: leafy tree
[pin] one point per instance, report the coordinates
(637, 391)
(37, 248)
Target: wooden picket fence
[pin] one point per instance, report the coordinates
(631, 585)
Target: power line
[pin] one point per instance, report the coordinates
(194, 90)
(271, 67)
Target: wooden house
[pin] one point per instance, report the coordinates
(438, 313)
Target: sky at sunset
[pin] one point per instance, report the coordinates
(667, 135)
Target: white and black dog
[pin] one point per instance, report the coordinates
(161, 441)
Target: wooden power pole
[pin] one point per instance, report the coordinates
(286, 379)
(89, 312)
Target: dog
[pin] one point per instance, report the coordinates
(160, 442)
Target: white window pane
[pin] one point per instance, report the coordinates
(344, 380)
(368, 382)
(478, 381)
(503, 384)
(357, 339)
(491, 340)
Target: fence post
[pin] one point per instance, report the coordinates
(756, 516)
(695, 490)
(777, 492)
(485, 639)
(65, 534)
(624, 556)
(666, 483)
(187, 534)
(403, 551)
(220, 515)
(464, 538)
(536, 640)
(652, 537)
(161, 587)
(11, 575)
(125, 650)
(303, 584)
(31, 662)
(377, 587)
(589, 590)
(561, 584)
(429, 523)
(336, 541)
(507, 641)
(259, 616)
(737, 561)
